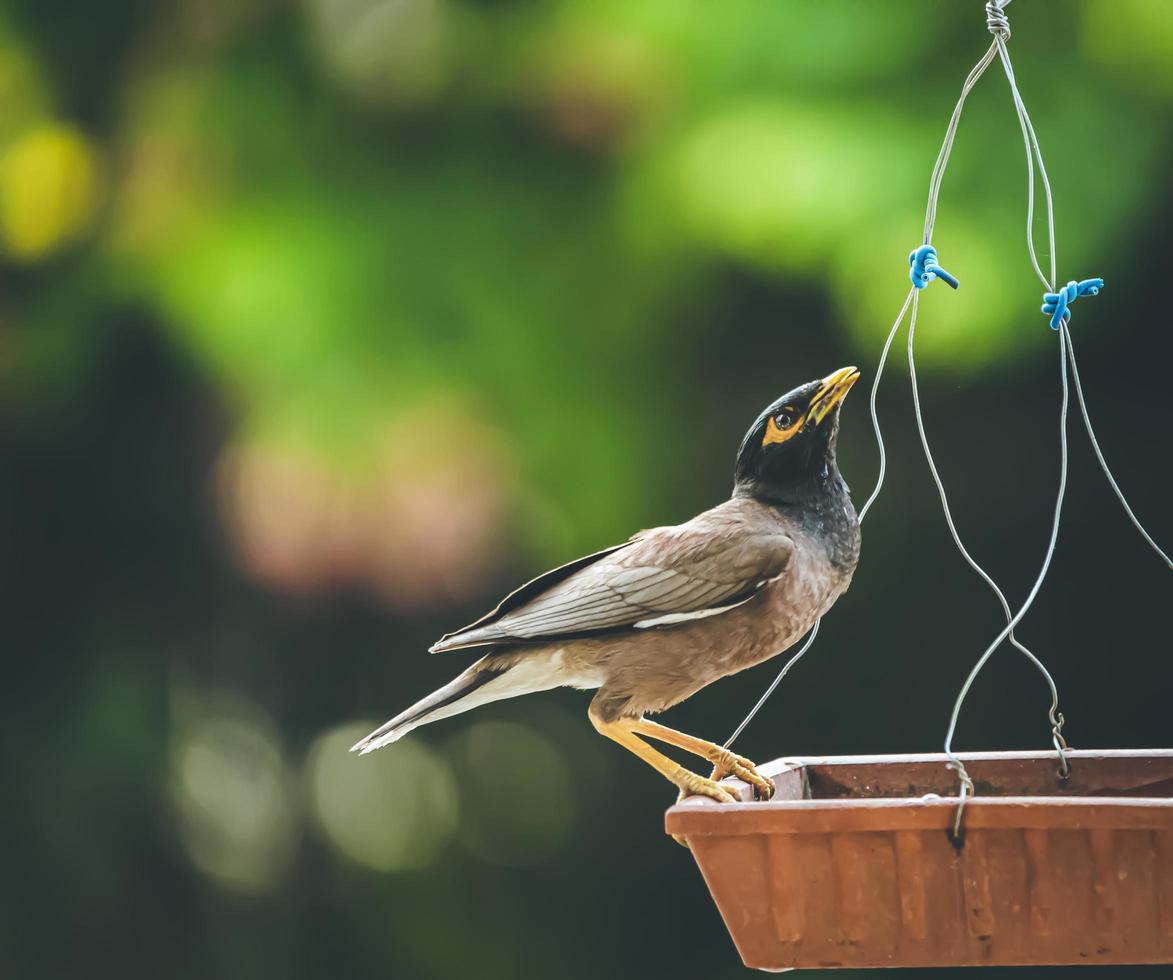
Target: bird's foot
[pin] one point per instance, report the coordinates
(690, 784)
(731, 764)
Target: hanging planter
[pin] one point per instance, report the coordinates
(853, 863)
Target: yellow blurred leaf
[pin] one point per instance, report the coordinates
(48, 191)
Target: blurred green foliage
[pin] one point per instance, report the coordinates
(346, 208)
(323, 322)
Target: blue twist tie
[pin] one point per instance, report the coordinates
(925, 269)
(1055, 305)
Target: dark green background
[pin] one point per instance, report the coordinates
(322, 324)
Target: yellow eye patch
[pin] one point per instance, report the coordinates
(775, 433)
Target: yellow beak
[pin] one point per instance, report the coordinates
(835, 388)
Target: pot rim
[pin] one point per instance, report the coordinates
(700, 816)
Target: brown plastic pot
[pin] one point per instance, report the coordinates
(852, 863)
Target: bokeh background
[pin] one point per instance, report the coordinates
(325, 322)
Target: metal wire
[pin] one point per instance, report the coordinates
(862, 513)
(810, 639)
(996, 20)
(935, 179)
(954, 761)
(1087, 423)
(1032, 143)
(872, 407)
(1034, 157)
(1054, 714)
(942, 161)
(999, 26)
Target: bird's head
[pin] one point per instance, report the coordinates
(793, 441)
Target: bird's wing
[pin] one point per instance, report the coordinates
(661, 576)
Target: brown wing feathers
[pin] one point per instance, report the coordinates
(715, 560)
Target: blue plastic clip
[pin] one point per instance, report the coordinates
(1055, 305)
(925, 269)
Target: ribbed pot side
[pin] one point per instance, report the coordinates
(856, 882)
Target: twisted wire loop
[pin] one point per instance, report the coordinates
(1056, 305)
(964, 792)
(924, 268)
(997, 22)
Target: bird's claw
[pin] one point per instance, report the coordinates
(732, 764)
(693, 785)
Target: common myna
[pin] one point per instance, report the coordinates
(650, 622)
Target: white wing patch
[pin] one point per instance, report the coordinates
(685, 617)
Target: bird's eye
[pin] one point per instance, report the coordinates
(782, 425)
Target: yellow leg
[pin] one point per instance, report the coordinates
(723, 760)
(621, 731)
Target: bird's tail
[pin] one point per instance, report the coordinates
(483, 682)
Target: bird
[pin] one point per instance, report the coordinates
(648, 623)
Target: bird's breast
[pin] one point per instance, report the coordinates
(787, 607)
